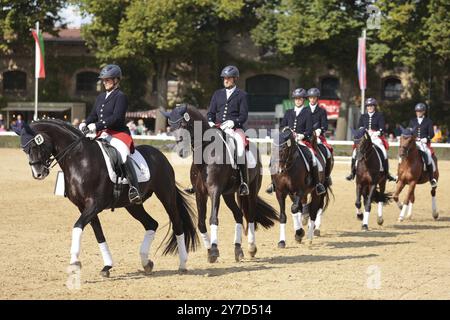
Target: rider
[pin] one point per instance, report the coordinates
(107, 120)
(228, 108)
(373, 121)
(319, 122)
(424, 133)
(299, 120)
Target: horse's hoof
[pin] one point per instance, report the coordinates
(252, 250)
(182, 271)
(317, 232)
(435, 215)
(365, 227)
(282, 244)
(148, 268)
(213, 253)
(105, 271)
(360, 216)
(400, 219)
(238, 252)
(380, 221)
(299, 234)
(305, 218)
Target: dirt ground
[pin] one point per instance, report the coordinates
(408, 260)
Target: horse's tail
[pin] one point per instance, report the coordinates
(186, 214)
(385, 197)
(326, 200)
(266, 215)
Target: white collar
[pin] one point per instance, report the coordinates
(298, 110)
(371, 113)
(313, 107)
(109, 92)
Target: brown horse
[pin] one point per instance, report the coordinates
(292, 178)
(411, 172)
(369, 178)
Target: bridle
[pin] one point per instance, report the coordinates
(405, 149)
(51, 162)
(289, 163)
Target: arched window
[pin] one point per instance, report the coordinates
(87, 81)
(329, 88)
(392, 89)
(14, 80)
(265, 91)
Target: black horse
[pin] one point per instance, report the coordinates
(292, 178)
(213, 175)
(88, 186)
(370, 181)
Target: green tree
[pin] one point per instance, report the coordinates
(159, 34)
(18, 17)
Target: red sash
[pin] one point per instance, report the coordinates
(122, 136)
(309, 145)
(385, 143)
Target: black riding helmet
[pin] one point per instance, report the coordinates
(299, 93)
(230, 72)
(313, 92)
(110, 71)
(420, 107)
(371, 102)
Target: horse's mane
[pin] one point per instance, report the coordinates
(60, 124)
(195, 113)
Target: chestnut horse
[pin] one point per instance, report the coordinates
(411, 172)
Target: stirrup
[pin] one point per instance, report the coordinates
(433, 183)
(350, 177)
(270, 189)
(133, 195)
(243, 189)
(391, 178)
(190, 190)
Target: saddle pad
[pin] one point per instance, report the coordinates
(139, 164)
(231, 147)
(378, 151)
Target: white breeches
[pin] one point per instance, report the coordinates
(240, 147)
(314, 158)
(118, 144)
(377, 141)
(423, 147)
(328, 155)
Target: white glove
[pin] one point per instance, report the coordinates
(211, 124)
(376, 134)
(424, 140)
(229, 124)
(318, 132)
(92, 131)
(82, 126)
(299, 137)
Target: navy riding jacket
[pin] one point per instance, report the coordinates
(235, 108)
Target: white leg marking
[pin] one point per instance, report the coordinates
(296, 220)
(366, 218)
(206, 241)
(402, 213)
(380, 209)
(182, 252)
(214, 238)
(76, 245)
(283, 232)
(410, 206)
(145, 246)
(319, 218)
(238, 233)
(106, 254)
(433, 204)
(311, 225)
(251, 233)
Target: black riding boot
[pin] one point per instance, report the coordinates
(243, 188)
(352, 174)
(386, 168)
(320, 188)
(433, 181)
(133, 193)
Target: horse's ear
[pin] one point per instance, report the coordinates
(28, 129)
(164, 113)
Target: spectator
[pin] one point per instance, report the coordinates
(132, 126)
(18, 124)
(391, 137)
(76, 122)
(397, 130)
(2, 128)
(141, 129)
(168, 131)
(1, 120)
(437, 134)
